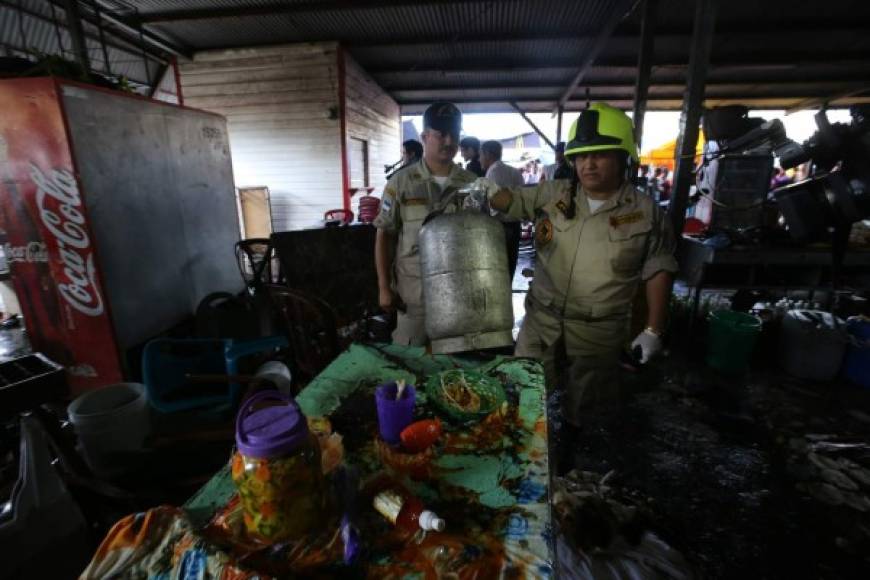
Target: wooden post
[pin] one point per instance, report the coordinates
(690, 116)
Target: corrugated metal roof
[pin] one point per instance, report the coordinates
(511, 49)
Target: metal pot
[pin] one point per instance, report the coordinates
(466, 284)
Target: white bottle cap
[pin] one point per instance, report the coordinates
(431, 522)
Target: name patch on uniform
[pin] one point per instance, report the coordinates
(625, 219)
(415, 201)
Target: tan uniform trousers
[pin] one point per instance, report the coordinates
(580, 357)
(411, 326)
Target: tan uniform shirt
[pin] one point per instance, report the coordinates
(409, 196)
(589, 267)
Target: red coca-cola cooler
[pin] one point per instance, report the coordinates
(120, 216)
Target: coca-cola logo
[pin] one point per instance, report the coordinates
(60, 205)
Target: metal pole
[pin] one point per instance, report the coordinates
(690, 116)
(534, 127)
(618, 11)
(559, 124)
(60, 47)
(77, 34)
(21, 32)
(96, 8)
(145, 56)
(644, 66)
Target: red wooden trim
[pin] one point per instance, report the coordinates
(342, 115)
(174, 64)
(62, 81)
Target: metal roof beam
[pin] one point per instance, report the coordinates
(532, 125)
(501, 65)
(282, 8)
(733, 33)
(846, 83)
(816, 102)
(619, 11)
(813, 99)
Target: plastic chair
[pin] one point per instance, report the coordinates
(167, 364)
(343, 215)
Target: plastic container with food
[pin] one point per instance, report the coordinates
(277, 469)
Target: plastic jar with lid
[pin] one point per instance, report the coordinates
(276, 469)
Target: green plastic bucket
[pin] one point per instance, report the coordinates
(731, 338)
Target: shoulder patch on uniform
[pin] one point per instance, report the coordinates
(625, 219)
(387, 202)
(543, 232)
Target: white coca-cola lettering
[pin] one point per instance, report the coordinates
(62, 187)
(59, 205)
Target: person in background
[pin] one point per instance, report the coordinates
(561, 169)
(643, 178)
(412, 151)
(655, 184)
(533, 173)
(409, 196)
(505, 176)
(665, 185)
(598, 242)
(779, 178)
(469, 148)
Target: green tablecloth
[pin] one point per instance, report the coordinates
(493, 489)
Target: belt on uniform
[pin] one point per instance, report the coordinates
(560, 313)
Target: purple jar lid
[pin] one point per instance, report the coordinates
(272, 431)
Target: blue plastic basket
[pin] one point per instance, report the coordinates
(166, 362)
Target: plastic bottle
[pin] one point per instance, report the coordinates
(407, 512)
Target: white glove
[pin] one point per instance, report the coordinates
(650, 345)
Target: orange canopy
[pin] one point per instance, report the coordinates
(663, 156)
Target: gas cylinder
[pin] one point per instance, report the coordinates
(466, 284)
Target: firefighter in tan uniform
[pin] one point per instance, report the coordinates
(409, 196)
(597, 239)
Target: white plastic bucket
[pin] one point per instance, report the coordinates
(109, 420)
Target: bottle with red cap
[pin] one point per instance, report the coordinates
(407, 512)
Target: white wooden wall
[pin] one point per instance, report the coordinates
(281, 105)
(374, 116)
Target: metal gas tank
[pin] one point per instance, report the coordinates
(466, 285)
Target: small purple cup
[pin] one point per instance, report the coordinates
(393, 415)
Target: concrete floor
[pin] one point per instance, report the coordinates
(720, 468)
